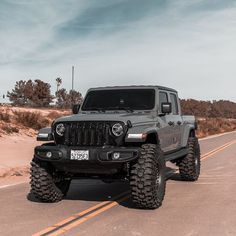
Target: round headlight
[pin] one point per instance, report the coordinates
(117, 129)
(60, 129)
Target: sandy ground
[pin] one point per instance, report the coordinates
(16, 149)
(15, 155)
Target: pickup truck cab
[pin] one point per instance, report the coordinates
(118, 133)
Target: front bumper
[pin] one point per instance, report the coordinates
(100, 162)
(104, 155)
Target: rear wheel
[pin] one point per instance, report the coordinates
(46, 188)
(147, 178)
(189, 165)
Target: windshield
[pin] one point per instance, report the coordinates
(120, 99)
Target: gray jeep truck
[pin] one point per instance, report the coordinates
(118, 133)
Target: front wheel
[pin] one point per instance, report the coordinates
(147, 179)
(44, 187)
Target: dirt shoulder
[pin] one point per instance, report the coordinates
(16, 154)
(18, 129)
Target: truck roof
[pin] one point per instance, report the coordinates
(135, 87)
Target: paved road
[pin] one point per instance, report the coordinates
(206, 207)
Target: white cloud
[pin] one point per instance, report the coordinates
(193, 51)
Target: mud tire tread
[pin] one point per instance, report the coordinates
(188, 169)
(43, 186)
(145, 192)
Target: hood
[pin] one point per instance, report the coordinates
(135, 117)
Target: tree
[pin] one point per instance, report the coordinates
(75, 97)
(58, 82)
(66, 100)
(61, 96)
(31, 93)
(42, 94)
(22, 92)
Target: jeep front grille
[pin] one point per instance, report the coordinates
(88, 133)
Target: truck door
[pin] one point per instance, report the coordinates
(166, 130)
(175, 120)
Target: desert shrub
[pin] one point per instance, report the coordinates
(5, 116)
(9, 129)
(67, 113)
(54, 115)
(211, 126)
(214, 109)
(34, 120)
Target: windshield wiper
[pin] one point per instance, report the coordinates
(128, 109)
(99, 109)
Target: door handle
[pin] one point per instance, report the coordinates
(171, 123)
(179, 123)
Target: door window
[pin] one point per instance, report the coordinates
(175, 108)
(163, 97)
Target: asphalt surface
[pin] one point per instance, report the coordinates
(206, 207)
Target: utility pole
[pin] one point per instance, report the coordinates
(73, 75)
(72, 87)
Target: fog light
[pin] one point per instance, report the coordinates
(48, 154)
(116, 156)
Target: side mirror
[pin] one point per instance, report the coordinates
(166, 108)
(75, 108)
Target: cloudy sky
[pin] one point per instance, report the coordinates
(189, 45)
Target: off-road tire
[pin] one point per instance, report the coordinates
(189, 165)
(147, 178)
(44, 187)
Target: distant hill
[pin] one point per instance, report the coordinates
(215, 109)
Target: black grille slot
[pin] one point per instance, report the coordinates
(88, 133)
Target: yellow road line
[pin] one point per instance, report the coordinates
(219, 149)
(81, 217)
(88, 217)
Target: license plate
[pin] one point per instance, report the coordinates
(79, 155)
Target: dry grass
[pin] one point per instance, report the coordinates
(211, 126)
(29, 121)
(9, 129)
(33, 120)
(4, 116)
(56, 114)
(26, 120)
